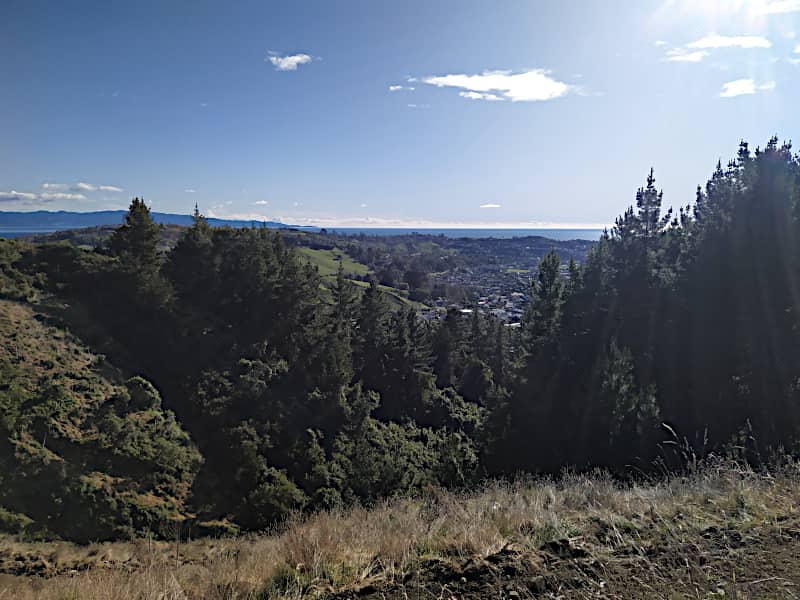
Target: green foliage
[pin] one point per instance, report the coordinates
(14, 283)
(136, 242)
(304, 389)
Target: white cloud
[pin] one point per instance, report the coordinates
(660, 43)
(363, 205)
(15, 196)
(713, 41)
(695, 52)
(681, 55)
(288, 63)
(47, 196)
(261, 202)
(398, 88)
(797, 49)
(780, 7)
(743, 87)
(526, 86)
(55, 186)
(82, 186)
(479, 96)
(489, 206)
(189, 191)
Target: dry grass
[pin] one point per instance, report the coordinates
(629, 532)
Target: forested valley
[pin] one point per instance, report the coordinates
(220, 385)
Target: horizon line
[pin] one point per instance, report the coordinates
(363, 223)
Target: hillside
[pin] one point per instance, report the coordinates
(84, 453)
(327, 261)
(722, 531)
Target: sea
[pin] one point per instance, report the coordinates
(553, 234)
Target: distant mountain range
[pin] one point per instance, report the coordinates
(44, 220)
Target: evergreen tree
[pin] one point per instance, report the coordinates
(136, 242)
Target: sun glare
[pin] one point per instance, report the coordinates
(750, 13)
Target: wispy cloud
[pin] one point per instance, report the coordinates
(480, 96)
(696, 51)
(29, 197)
(82, 186)
(660, 43)
(682, 55)
(289, 62)
(489, 206)
(55, 186)
(527, 86)
(60, 196)
(744, 87)
(713, 41)
(261, 202)
(189, 191)
(399, 88)
(15, 196)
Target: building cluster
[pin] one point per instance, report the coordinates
(500, 291)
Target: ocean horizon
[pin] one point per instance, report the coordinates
(553, 234)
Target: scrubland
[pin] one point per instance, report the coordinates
(723, 530)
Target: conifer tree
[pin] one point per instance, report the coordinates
(136, 242)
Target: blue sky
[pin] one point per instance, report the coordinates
(522, 112)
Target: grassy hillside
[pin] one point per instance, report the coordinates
(84, 454)
(725, 531)
(327, 261)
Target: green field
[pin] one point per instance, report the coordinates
(395, 296)
(327, 261)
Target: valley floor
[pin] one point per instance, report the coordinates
(724, 531)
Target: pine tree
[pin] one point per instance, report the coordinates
(369, 354)
(190, 265)
(136, 242)
(543, 318)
